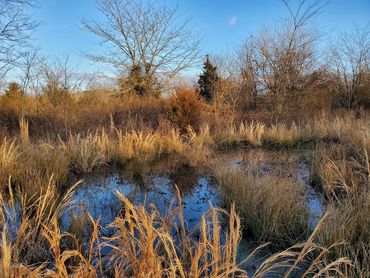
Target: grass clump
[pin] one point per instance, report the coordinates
(271, 208)
(252, 133)
(139, 146)
(85, 153)
(281, 134)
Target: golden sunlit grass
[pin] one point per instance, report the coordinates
(199, 146)
(145, 147)
(281, 134)
(85, 152)
(257, 134)
(24, 131)
(253, 133)
(145, 243)
(343, 169)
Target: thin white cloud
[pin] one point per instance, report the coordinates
(233, 20)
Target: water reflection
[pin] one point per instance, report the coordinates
(98, 197)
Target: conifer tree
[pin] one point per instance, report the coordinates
(13, 89)
(207, 80)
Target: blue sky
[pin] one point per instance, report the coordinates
(222, 24)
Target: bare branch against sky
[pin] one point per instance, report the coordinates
(16, 27)
(140, 33)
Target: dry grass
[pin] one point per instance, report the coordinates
(144, 244)
(141, 251)
(253, 133)
(37, 164)
(307, 259)
(256, 134)
(281, 134)
(23, 217)
(199, 146)
(24, 131)
(8, 160)
(343, 169)
(86, 153)
(144, 147)
(32, 201)
(271, 207)
(349, 222)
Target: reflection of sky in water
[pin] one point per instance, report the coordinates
(97, 195)
(100, 200)
(313, 199)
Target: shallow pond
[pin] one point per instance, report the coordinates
(97, 195)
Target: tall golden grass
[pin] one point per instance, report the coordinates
(145, 243)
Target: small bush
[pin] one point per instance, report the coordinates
(184, 109)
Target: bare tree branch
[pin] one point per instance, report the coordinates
(15, 30)
(145, 34)
(350, 60)
(281, 60)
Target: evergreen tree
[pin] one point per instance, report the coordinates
(139, 82)
(13, 89)
(207, 80)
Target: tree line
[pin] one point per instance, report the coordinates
(149, 46)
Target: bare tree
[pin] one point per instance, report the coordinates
(139, 33)
(248, 74)
(15, 31)
(28, 68)
(58, 80)
(280, 60)
(350, 60)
